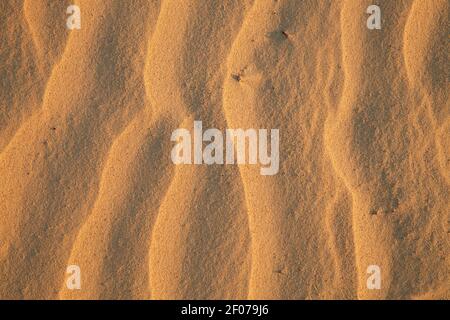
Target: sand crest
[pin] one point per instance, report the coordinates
(86, 118)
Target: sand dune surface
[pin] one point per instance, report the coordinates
(86, 118)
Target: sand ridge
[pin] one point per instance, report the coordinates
(85, 125)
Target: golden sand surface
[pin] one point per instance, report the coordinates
(86, 176)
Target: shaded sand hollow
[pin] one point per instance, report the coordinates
(86, 118)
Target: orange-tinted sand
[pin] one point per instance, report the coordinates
(86, 176)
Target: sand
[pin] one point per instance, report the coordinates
(87, 179)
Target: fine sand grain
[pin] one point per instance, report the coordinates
(86, 176)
